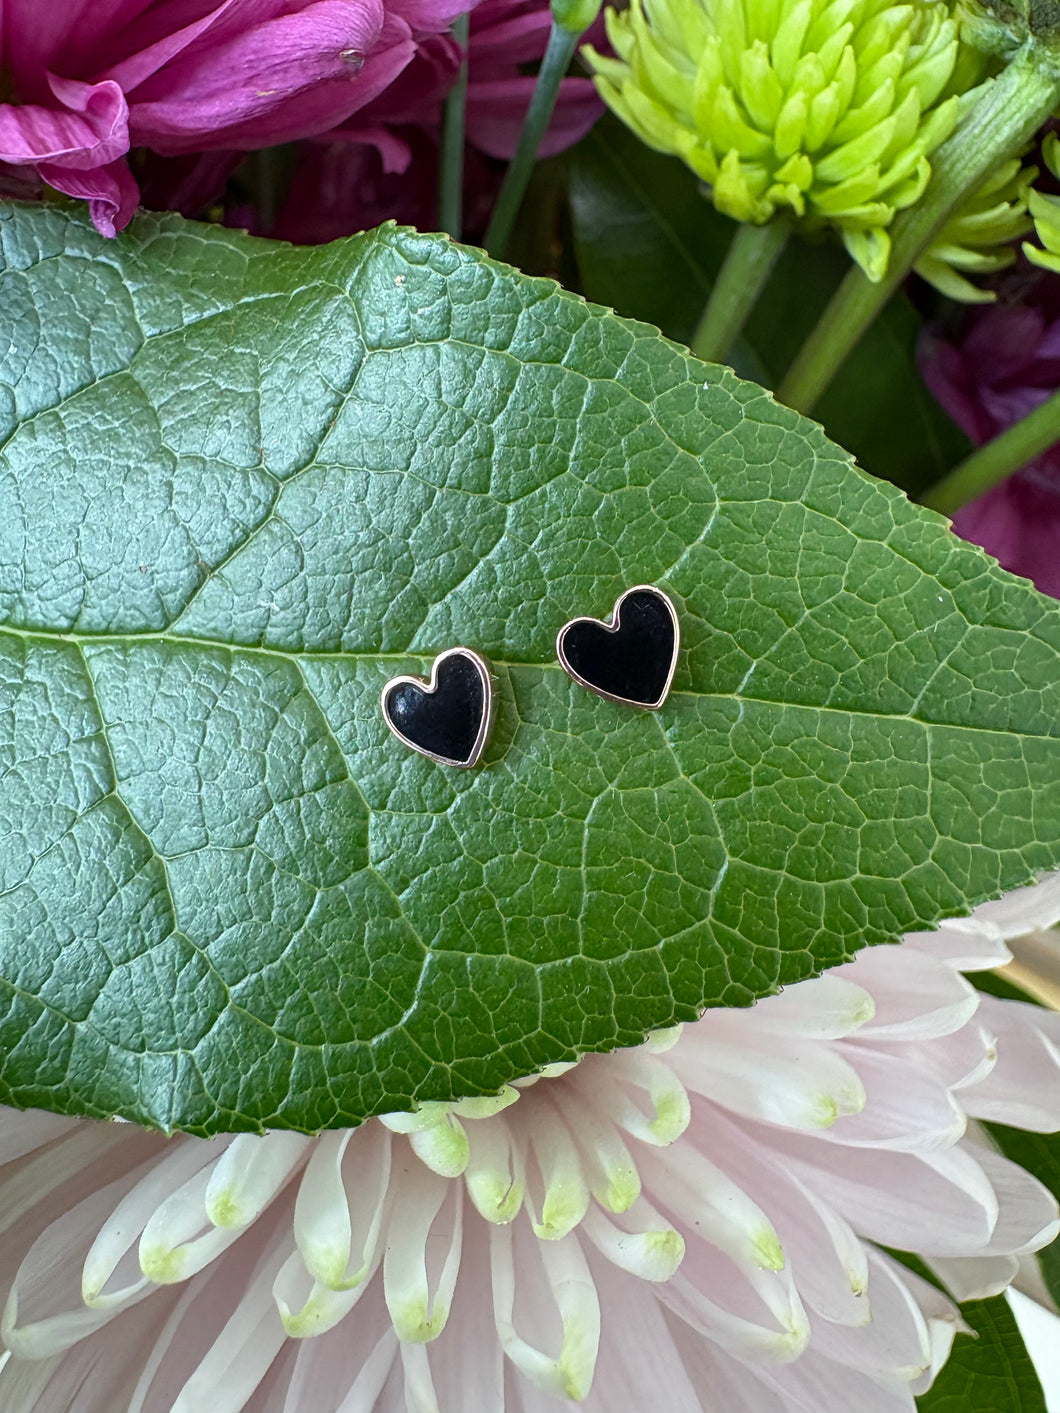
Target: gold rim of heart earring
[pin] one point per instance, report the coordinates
(447, 717)
(630, 657)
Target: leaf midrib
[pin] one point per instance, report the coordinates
(82, 640)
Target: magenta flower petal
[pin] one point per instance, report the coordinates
(430, 16)
(89, 129)
(1006, 364)
(496, 109)
(501, 45)
(111, 192)
(170, 31)
(199, 100)
(1018, 523)
(190, 77)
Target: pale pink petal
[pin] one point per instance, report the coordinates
(897, 1343)
(975, 1277)
(964, 943)
(826, 1008)
(23, 1130)
(934, 1203)
(1023, 1088)
(1028, 1217)
(918, 997)
(1025, 909)
(906, 1107)
(468, 1369)
(634, 1369)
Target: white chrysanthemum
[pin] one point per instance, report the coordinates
(702, 1216)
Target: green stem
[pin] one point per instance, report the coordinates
(1010, 110)
(991, 464)
(560, 51)
(451, 158)
(752, 253)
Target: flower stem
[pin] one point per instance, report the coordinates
(991, 464)
(451, 159)
(560, 51)
(749, 262)
(1008, 111)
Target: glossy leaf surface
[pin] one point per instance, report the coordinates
(243, 485)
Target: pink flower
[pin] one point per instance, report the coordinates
(382, 164)
(1005, 365)
(701, 1216)
(92, 78)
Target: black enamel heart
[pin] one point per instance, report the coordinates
(447, 718)
(630, 658)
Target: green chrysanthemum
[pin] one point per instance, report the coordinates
(825, 109)
(979, 236)
(1046, 212)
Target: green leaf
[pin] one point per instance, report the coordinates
(989, 1371)
(649, 245)
(242, 485)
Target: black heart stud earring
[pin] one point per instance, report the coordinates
(449, 718)
(629, 659)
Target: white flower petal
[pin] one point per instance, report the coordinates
(646, 1246)
(1023, 1089)
(966, 944)
(341, 1201)
(906, 1106)
(828, 1259)
(241, 1353)
(975, 1277)
(897, 1343)
(180, 1162)
(775, 1329)
(346, 1368)
(309, 1309)
(1027, 1211)
(249, 1174)
(422, 1256)
(918, 997)
(23, 1130)
(467, 1362)
(643, 1094)
(1024, 909)
(827, 1007)
(934, 1203)
(419, 1384)
(557, 1194)
(704, 1199)
(553, 1279)
(609, 1166)
(177, 1240)
(495, 1172)
(799, 1085)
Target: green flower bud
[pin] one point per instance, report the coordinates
(1046, 212)
(978, 236)
(575, 16)
(827, 109)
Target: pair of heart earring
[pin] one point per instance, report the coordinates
(629, 658)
